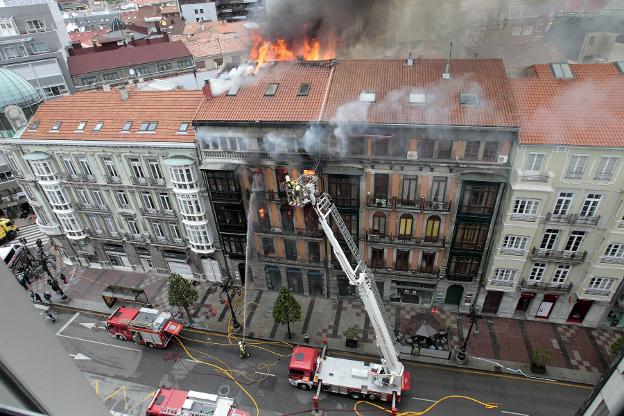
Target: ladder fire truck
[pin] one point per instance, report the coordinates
(308, 368)
(144, 326)
(172, 402)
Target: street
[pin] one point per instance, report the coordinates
(126, 375)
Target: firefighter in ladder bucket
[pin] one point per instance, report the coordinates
(294, 191)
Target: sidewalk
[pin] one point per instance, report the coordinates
(579, 354)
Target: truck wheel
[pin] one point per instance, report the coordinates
(303, 386)
(355, 395)
(372, 397)
(120, 337)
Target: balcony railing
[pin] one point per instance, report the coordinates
(461, 277)
(104, 235)
(504, 283)
(139, 180)
(559, 218)
(408, 203)
(73, 177)
(112, 179)
(419, 204)
(534, 178)
(512, 251)
(603, 176)
(284, 260)
(586, 219)
(571, 256)
(298, 232)
(134, 237)
(422, 272)
(380, 201)
(164, 241)
(438, 206)
(157, 213)
(612, 260)
(401, 240)
(92, 208)
(547, 287)
(574, 175)
(156, 181)
(597, 292)
(225, 196)
(523, 217)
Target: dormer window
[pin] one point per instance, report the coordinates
(126, 126)
(417, 97)
(620, 66)
(56, 126)
(34, 125)
(304, 89)
(468, 99)
(98, 126)
(271, 89)
(561, 71)
(183, 127)
(81, 126)
(148, 126)
(367, 97)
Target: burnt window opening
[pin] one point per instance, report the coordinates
(468, 99)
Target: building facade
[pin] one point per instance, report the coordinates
(419, 189)
(123, 191)
(559, 246)
(33, 43)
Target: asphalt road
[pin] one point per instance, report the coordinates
(126, 375)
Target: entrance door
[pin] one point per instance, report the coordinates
(524, 302)
(579, 311)
(492, 302)
(454, 294)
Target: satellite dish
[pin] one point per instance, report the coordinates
(132, 72)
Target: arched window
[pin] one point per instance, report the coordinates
(433, 228)
(405, 225)
(263, 218)
(379, 223)
(288, 217)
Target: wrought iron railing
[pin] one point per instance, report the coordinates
(558, 255)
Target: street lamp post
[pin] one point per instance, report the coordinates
(225, 287)
(461, 354)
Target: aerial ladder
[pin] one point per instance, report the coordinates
(303, 191)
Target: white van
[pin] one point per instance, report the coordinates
(10, 253)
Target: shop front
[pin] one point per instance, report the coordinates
(412, 292)
(523, 303)
(579, 311)
(492, 301)
(546, 306)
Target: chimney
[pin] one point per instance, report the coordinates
(106, 87)
(410, 59)
(447, 68)
(124, 93)
(206, 89)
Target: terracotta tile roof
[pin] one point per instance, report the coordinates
(168, 108)
(587, 110)
(126, 56)
(393, 80)
(169, 9)
(251, 103)
(85, 38)
(212, 43)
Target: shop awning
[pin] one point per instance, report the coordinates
(173, 327)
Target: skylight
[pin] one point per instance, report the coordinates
(81, 126)
(417, 97)
(183, 127)
(35, 125)
(233, 90)
(56, 126)
(148, 126)
(562, 71)
(367, 97)
(271, 89)
(468, 99)
(98, 126)
(127, 126)
(304, 89)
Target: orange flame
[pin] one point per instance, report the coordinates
(263, 50)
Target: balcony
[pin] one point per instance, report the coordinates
(173, 242)
(612, 260)
(422, 272)
(296, 232)
(139, 180)
(380, 201)
(436, 206)
(225, 196)
(419, 204)
(597, 292)
(91, 208)
(284, 260)
(546, 287)
(112, 179)
(523, 217)
(603, 176)
(405, 241)
(156, 181)
(135, 238)
(104, 235)
(554, 255)
(558, 218)
(408, 204)
(126, 210)
(501, 283)
(574, 175)
(512, 251)
(157, 213)
(586, 220)
(73, 177)
(534, 178)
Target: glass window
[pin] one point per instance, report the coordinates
(561, 274)
(574, 241)
(549, 239)
(405, 225)
(154, 168)
(525, 206)
(408, 191)
(563, 203)
(576, 167)
(537, 272)
(377, 258)
(271, 89)
(122, 199)
(425, 149)
(268, 247)
(69, 166)
(601, 283)
(534, 162)
(137, 168)
(472, 150)
(81, 126)
(505, 275)
(148, 201)
(590, 205)
(606, 167)
(432, 231)
(445, 149)
(132, 226)
(183, 128)
(98, 126)
(164, 67)
(111, 170)
(402, 260)
(158, 230)
(615, 250)
(291, 249)
(165, 202)
(379, 223)
(315, 283)
(97, 195)
(56, 126)
(84, 165)
(55, 91)
(344, 190)
(175, 231)
(490, 151)
(273, 277)
(314, 251)
(515, 242)
(148, 126)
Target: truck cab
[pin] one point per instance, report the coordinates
(169, 401)
(302, 367)
(8, 229)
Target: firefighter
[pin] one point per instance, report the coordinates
(242, 349)
(63, 278)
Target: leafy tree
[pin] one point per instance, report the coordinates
(286, 309)
(181, 293)
(618, 345)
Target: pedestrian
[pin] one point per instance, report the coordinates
(47, 297)
(32, 295)
(63, 278)
(49, 316)
(22, 281)
(38, 298)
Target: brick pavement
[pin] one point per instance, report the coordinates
(579, 354)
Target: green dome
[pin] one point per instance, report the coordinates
(14, 89)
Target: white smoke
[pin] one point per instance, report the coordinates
(230, 81)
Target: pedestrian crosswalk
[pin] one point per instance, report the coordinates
(32, 233)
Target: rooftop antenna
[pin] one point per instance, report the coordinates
(447, 68)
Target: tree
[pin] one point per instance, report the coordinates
(617, 346)
(286, 309)
(181, 292)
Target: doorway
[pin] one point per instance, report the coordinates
(454, 294)
(579, 311)
(492, 302)
(241, 272)
(524, 302)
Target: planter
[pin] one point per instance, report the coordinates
(351, 343)
(538, 369)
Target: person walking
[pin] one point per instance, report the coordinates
(32, 295)
(38, 298)
(47, 297)
(63, 278)
(55, 287)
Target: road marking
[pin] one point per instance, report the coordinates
(79, 356)
(67, 323)
(264, 374)
(513, 413)
(97, 342)
(90, 325)
(424, 400)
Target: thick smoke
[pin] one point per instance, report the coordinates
(230, 80)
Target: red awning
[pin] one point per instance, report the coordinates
(173, 328)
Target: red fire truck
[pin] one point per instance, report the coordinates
(144, 326)
(168, 402)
